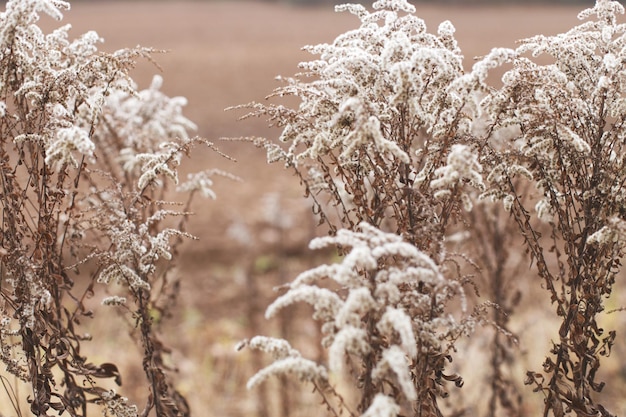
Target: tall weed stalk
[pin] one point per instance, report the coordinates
(381, 143)
(568, 133)
(84, 162)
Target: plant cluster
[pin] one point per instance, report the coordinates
(85, 160)
(424, 174)
(404, 154)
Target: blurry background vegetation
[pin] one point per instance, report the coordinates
(454, 2)
(451, 2)
(369, 2)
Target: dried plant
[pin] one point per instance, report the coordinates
(381, 127)
(390, 141)
(84, 158)
(386, 323)
(491, 240)
(568, 122)
(381, 142)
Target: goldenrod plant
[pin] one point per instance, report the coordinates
(85, 162)
(566, 121)
(404, 155)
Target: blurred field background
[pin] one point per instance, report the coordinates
(255, 235)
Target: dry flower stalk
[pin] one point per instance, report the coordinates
(84, 163)
(403, 153)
